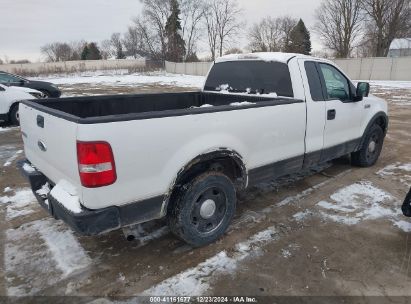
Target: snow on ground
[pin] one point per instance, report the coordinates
(19, 204)
(11, 159)
(197, 280)
(6, 152)
(138, 79)
(39, 254)
(390, 84)
(358, 202)
(397, 172)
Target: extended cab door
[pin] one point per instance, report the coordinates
(343, 114)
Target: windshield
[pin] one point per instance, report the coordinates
(253, 77)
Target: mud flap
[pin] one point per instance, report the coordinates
(406, 207)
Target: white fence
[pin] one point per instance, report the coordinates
(72, 66)
(377, 68)
(189, 68)
(356, 68)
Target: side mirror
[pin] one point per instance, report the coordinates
(22, 82)
(363, 90)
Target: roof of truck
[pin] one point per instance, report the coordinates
(272, 56)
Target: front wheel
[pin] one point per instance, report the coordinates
(371, 148)
(14, 115)
(204, 209)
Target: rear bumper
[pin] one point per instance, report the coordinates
(91, 222)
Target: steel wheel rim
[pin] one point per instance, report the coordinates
(373, 146)
(209, 210)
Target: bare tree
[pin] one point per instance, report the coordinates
(388, 19)
(62, 51)
(153, 24)
(222, 19)
(106, 49)
(57, 51)
(135, 42)
(234, 50)
(339, 24)
(265, 36)
(192, 12)
(287, 24)
(271, 34)
(212, 30)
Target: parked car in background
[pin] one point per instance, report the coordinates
(48, 88)
(9, 101)
(129, 159)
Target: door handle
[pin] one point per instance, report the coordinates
(331, 114)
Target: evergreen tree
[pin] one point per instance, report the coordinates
(119, 53)
(85, 52)
(90, 52)
(300, 40)
(94, 52)
(175, 43)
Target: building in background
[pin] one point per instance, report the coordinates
(400, 48)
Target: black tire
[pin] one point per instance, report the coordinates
(203, 209)
(371, 148)
(14, 115)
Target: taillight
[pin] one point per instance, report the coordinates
(96, 164)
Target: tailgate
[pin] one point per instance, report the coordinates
(50, 144)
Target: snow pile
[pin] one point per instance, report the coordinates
(44, 190)
(197, 280)
(66, 195)
(203, 106)
(29, 168)
(137, 79)
(242, 104)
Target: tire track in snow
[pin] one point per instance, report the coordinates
(40, 254)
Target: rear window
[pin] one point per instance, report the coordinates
(252, 77)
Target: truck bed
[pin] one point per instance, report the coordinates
(98, 109)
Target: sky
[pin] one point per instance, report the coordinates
(26, 25)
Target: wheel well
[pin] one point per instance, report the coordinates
(382, 122)
(227, 162)
(12, 107)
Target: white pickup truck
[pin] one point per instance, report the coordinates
(106, 162)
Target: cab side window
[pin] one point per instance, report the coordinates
(337, 86)
(314, 81)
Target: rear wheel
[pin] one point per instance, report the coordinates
(204, 209)
(14, 115)
(371, 148)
